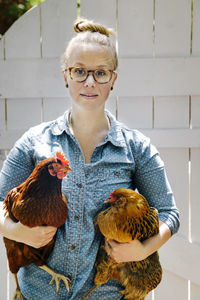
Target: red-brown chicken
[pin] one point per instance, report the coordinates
(128, 218)
(37, 202)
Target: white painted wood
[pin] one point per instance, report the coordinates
(174, 138)
(11, 284)
(111, 105)
(195, 112)
(176, 162)
(136, 77)
(195, 291)
(171, 112)
(135, 112)
(135, 20)
(2, 158)
(149, 296)
(3, 272)
(35, 78)
(196, 29)
(195, 197)
(8, 138)
(102, 11)
(2, 114)
(171, 287)
(2, 48)
(181, 258)
(158, 76)
(57, 26)
(172, 27)
(26, 43)
(23, 113)
(54, 107)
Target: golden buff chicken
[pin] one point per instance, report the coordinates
(128, 218)
(37, 202)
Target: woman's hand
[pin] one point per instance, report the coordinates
(136, 250)
(125, 252)
(36, 236)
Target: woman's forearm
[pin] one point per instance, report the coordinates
(154, 243)
(136, 250)
(36, 236)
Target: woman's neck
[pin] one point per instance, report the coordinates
(90, 129)
(88, 122)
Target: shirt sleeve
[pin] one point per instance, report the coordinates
(152, 182)
(17, 167)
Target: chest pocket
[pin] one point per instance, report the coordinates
(112, 179)
(118, 178)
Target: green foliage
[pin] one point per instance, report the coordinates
(11, 10)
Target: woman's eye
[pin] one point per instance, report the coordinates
(100, 73)
(80, 71)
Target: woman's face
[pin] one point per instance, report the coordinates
(90, 94)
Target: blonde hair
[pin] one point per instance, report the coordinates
(92, 33)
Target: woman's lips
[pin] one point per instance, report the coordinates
(89, 96)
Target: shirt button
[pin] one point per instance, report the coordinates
(76, 218)
(116, 173)
(79, 185)
(73, 247)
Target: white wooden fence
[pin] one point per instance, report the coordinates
(158, 91)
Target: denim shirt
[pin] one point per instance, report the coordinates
(124, 159)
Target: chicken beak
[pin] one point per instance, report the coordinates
(67, 169)
(107, 200)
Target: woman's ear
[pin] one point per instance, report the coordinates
(113, 82)
(65, 78)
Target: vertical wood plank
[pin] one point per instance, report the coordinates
(57, 26)
(172, 27)
(196, 29)
(3, 270)
(111, 105)
(102, 11)
(2, 48)
(23, 113)
(135, 112)
(195, 112)
(22, 40)
(171, 287)
(149, 296)
(171, 112)
(2, 114)
(12, 285)
(54, 107)
(195, 198)
(195, 291)
(2, 158)
(176, 162)
(135, 33)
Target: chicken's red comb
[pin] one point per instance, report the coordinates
(112, 193)
(62, 158)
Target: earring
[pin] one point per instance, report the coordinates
(111, 88)
(66, 85)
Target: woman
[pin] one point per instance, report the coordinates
(104, 155)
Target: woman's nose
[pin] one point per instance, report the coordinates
(90, 82)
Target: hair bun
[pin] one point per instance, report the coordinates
(82, 25)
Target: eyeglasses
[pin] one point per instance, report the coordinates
(81, 74)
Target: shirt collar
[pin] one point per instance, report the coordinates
(115, 135)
